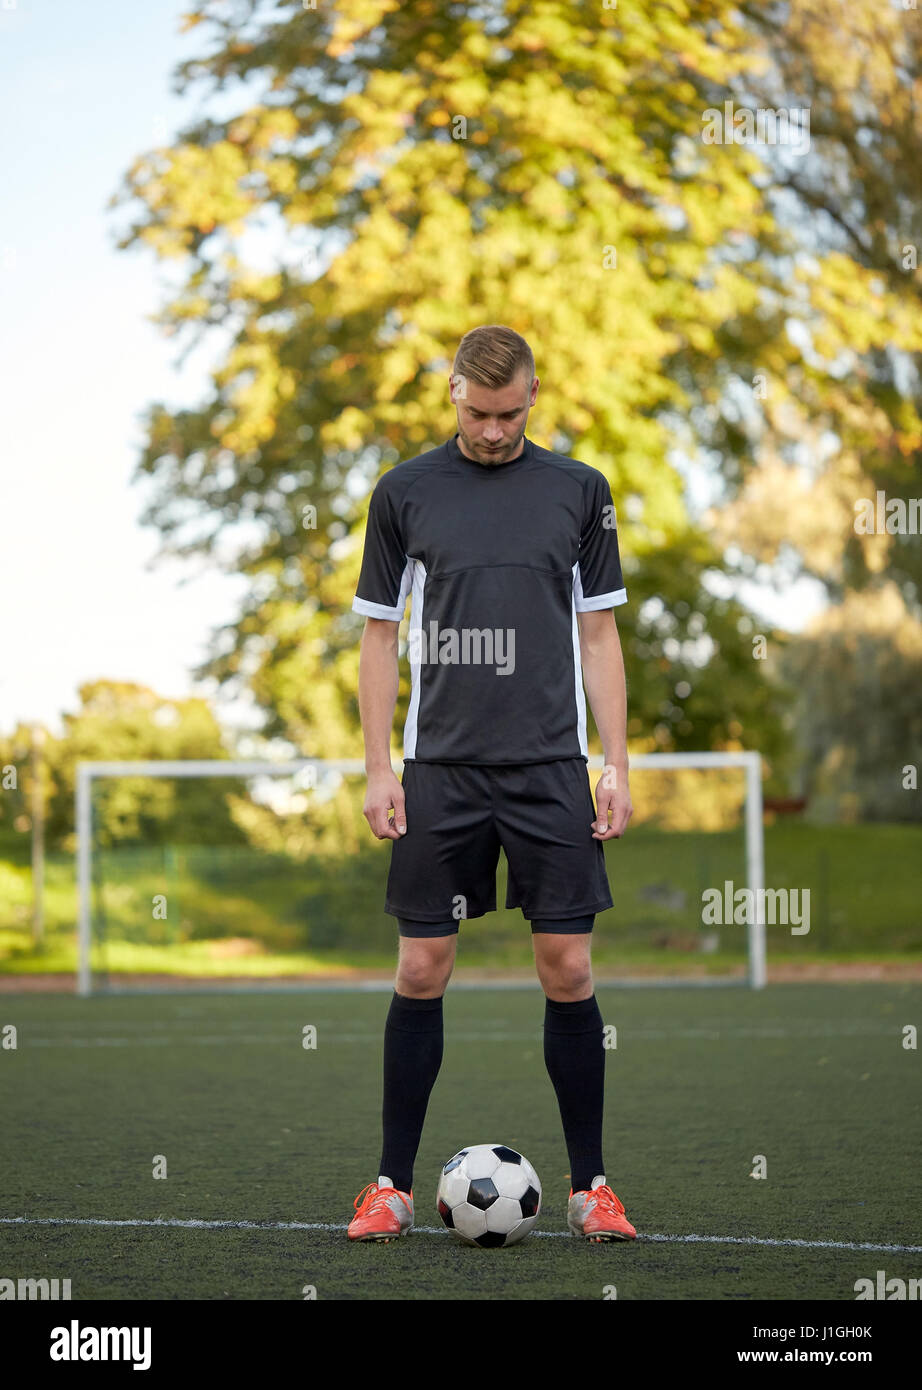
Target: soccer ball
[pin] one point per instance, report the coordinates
(489, 1195)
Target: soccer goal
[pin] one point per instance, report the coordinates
(234, 874)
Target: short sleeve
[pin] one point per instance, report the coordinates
(598, 582)
(387, 571)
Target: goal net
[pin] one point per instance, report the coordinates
(230, 874)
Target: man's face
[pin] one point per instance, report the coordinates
(491, 424)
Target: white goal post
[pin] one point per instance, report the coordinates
(751, 762)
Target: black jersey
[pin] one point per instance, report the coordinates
(498, 560)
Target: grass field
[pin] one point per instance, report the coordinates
(257, 1129)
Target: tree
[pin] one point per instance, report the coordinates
(858, 671)
(842, 418)
(120, 721)
(428, 168)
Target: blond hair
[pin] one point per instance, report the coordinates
(493, 356)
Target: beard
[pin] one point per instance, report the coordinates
(477, 453)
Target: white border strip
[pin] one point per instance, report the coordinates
(197, 1225)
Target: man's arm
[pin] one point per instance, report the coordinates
(603, 677)
(379, 679)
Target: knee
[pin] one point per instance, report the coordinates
(565, 976)
(423, 971)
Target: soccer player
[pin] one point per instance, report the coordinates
(509, 553)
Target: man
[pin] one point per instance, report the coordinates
(510, 555)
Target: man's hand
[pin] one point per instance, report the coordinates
(613, 798)
(383, 795)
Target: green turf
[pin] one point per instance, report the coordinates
(256, 1128)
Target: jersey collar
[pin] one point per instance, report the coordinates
(526, 456)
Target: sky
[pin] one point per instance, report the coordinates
(85, 89)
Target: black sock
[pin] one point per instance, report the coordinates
(412, 1057)
(575, 1060)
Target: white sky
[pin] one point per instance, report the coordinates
(83, 90)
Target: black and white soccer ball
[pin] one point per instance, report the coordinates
(489, 1195)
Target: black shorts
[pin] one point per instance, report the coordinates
(459, 816)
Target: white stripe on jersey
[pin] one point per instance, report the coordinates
(578, 666)
(381, 610)
(593, 605)
(416, 622)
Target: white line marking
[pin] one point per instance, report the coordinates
(197, 1225)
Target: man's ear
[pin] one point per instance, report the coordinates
(457, 387)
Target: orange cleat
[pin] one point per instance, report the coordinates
(381, 1212)
(598, 1214)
